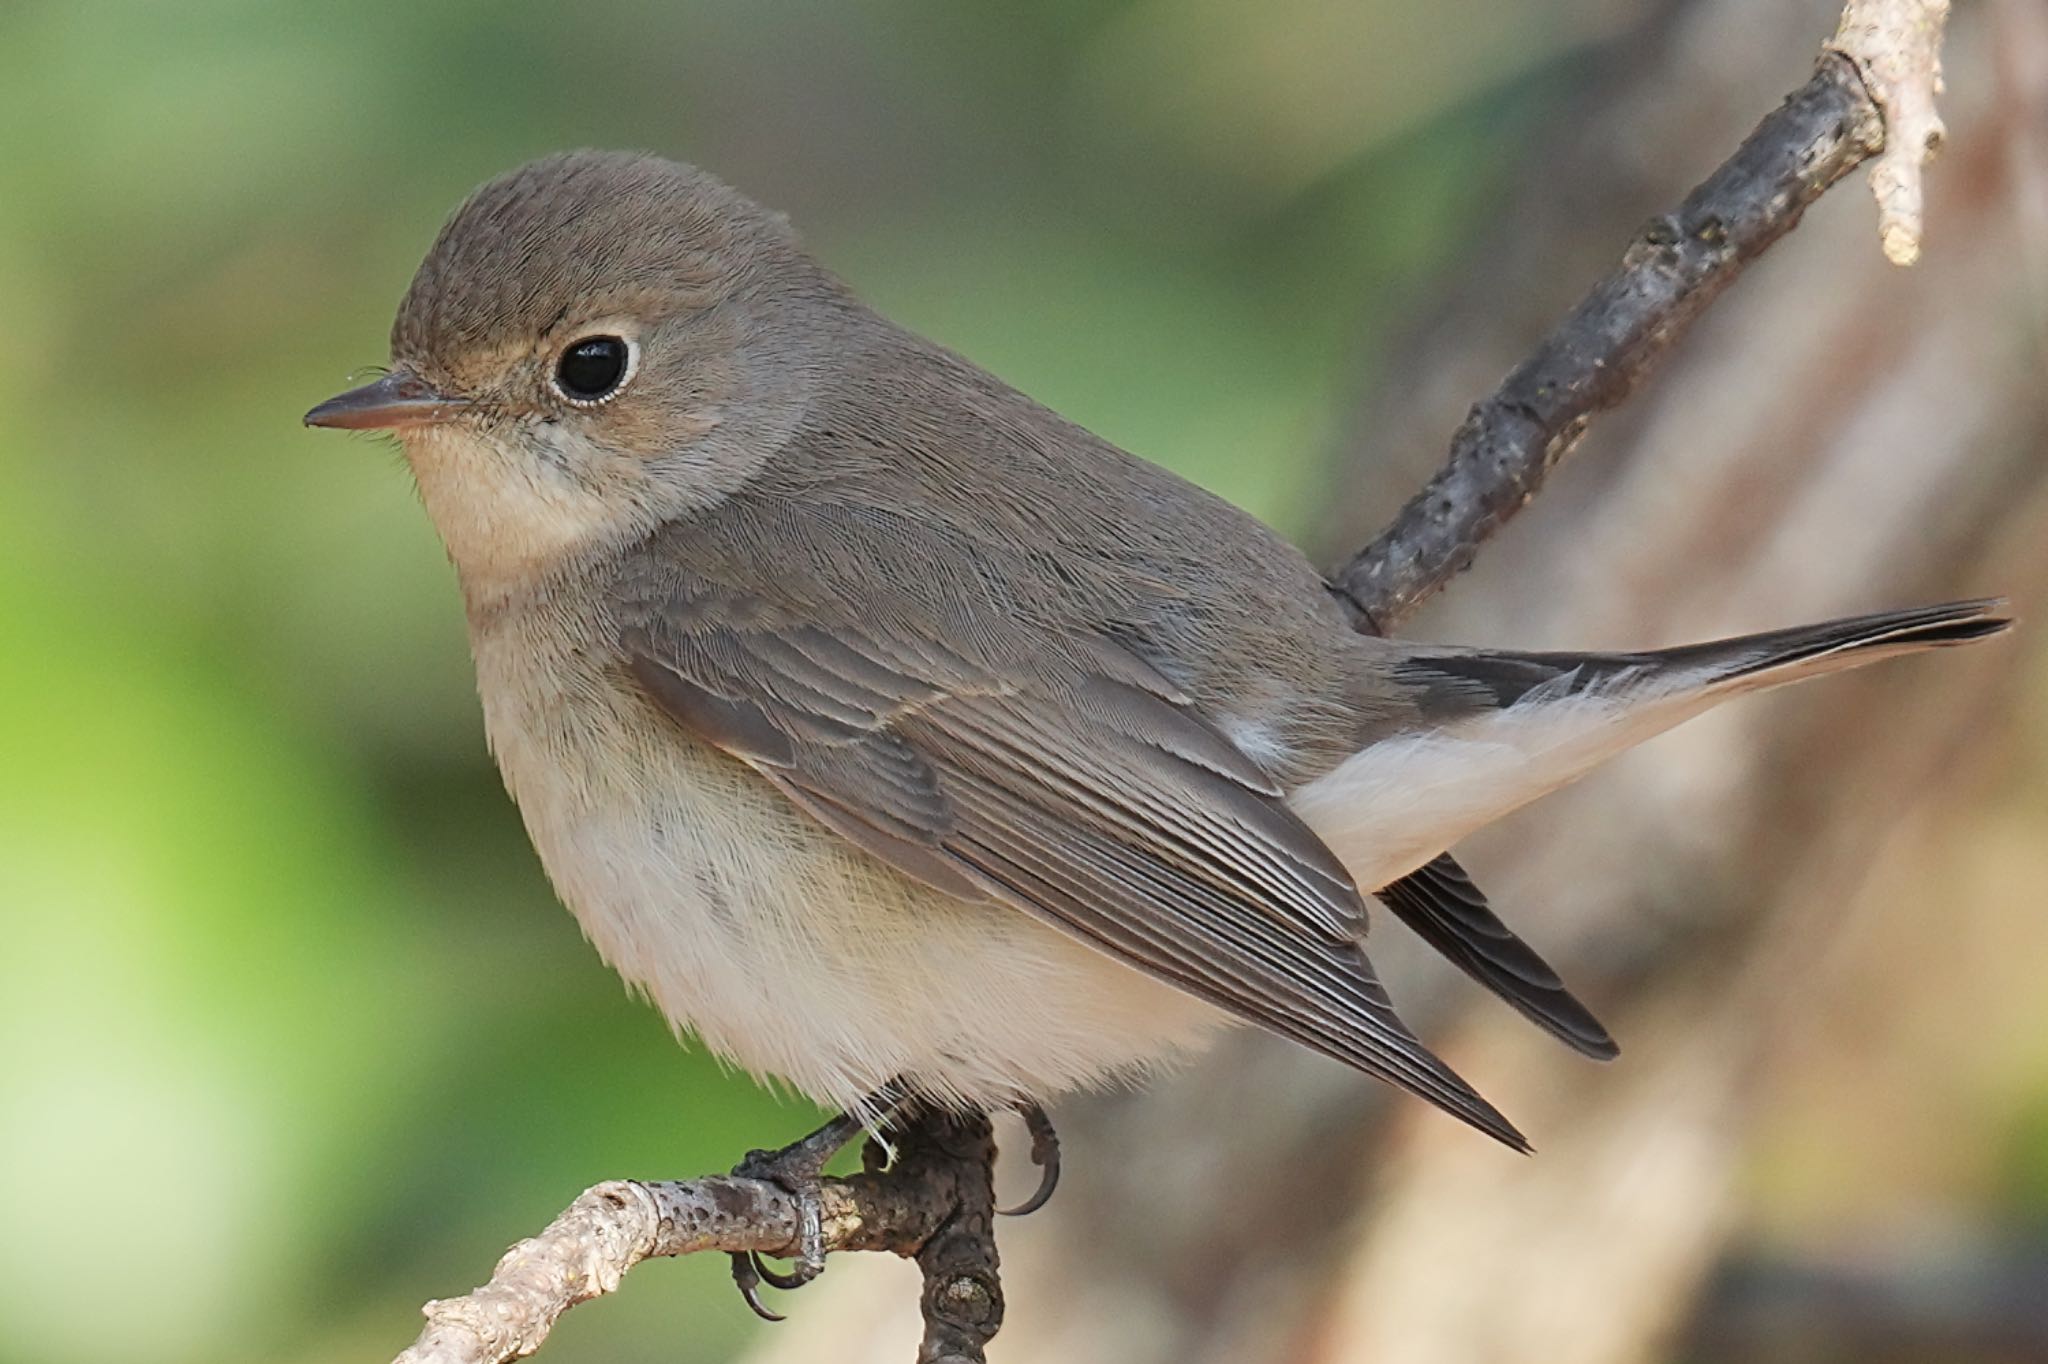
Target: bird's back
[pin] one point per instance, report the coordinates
(925, 493)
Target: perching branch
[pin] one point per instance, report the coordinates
(936, 1204)
(1872, 92)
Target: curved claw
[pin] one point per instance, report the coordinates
(1045, 1154)
(798, 1169)
(796, 1278)
(747, 1277)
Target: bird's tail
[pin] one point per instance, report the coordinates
(1753, 662)
(1491, 731)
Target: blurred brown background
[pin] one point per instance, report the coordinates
(293, 1036)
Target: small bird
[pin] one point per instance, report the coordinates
(898, 736)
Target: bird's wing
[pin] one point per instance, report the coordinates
(1439, 902)
(1091, 795)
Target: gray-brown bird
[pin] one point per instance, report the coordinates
(887, 728)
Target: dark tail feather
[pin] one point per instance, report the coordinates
(1809, 651)
(1458, 679)
(1439, 902)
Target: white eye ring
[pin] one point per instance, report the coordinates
(594, 369)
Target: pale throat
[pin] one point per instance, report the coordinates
(506, 517)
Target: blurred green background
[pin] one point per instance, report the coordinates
(292, 1033)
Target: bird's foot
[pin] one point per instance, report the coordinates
(1045, 1154)
(799, 1170)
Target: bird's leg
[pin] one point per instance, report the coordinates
(1045, 1154)
(799, 1169)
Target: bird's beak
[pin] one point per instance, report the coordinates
(398, 400)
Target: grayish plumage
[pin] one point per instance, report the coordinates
(879, 722)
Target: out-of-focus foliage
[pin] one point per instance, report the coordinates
(292, 1033)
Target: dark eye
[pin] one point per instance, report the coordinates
(593, 369)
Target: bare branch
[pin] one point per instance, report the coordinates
(963, 1296)
(936, 1203)
(1896, 45)
(1676, 266)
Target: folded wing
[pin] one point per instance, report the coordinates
(1089, 794)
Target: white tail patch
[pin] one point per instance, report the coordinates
(1395, 804)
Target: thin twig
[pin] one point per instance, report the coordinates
(1678, 264)
(936, 1203)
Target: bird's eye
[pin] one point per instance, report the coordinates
(594, 369)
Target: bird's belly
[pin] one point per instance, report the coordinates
(798, 955)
